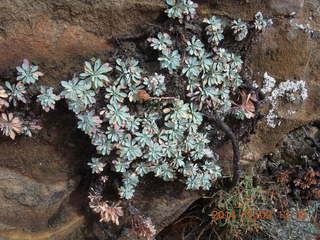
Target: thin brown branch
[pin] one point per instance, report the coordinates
(214, 119)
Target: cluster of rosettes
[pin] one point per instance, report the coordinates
(13, 94)
(166, 142)
(164, 138)
(210, 75)
(181, 9)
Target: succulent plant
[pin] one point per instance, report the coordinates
(155, 84)
(115, 94)
(181, 8)
(10, 125)
(170, 60)
(88, 122)
(192, 68)
(74, 88)
(103, 145)
(195, 47)
(129, 184)
(164, 171)
(47, 98)
(130, 150)
(130, 72)
(240, 29)
(30, 127)
(214, 30)
(142, 169)
(117, 114)
(155, 153)
(16, 92)
(261, 23)
(96, 165)
(28, 73)
(95, 72)
(162, 42)
(3, 96)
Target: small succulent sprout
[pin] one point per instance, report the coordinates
(130, 72)
(190, 169)
(192, 68)
(239, 114)
(181, 8)
(196, 116)
(162, 42)
(164, 171)
(190, 9)
(88, 97)
(269, 83)
(108, 213)
(95, 72)
(77, 106)
(155, 84)
(96, 165)
(103, 145)
(130, 150)
(47, 98)
(176, 9)
(170, 60)
(28, 73)
(130, 182)
(195, 47)
(16, 93)
(179, 111)
(142, 169)
(121, 165)
(144, 137)
(261, 23)
(212, 168)
(155, 153)
(240, 29)
(213, 78)
(3, 96)
(214, 30)
(114, 133)
(10, 125)
(79, 93)
(74, 88)
(205, 61)
(115, 95)
(133, 124)
(203, 180)
(117, 114)
(89, 123)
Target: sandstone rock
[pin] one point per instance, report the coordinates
(286, 7)
(59, 35)
(23, 200)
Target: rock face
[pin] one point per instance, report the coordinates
(21, 196)
(61, 34)
(39, 176)
(286, 7)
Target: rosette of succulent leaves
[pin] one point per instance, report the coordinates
(15, 98)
